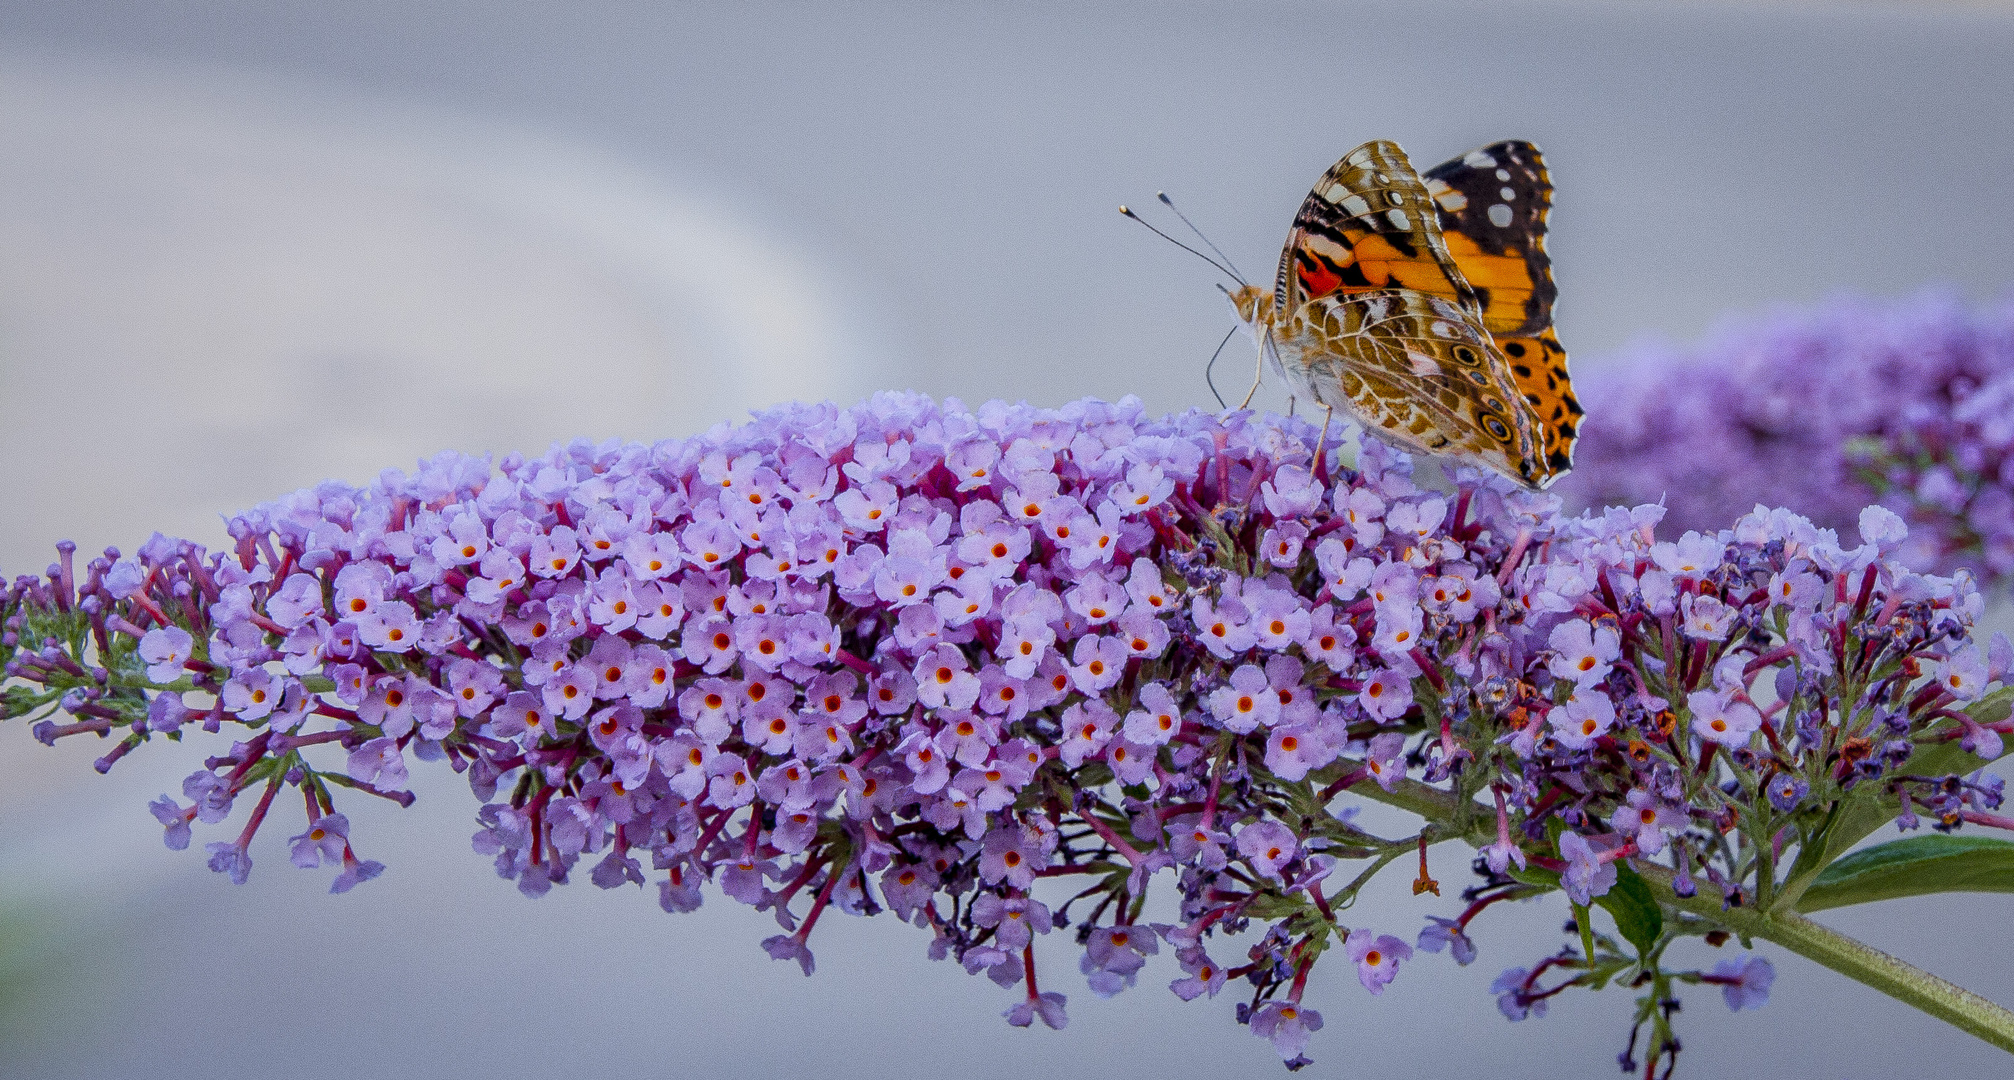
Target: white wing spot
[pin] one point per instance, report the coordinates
(1507, 194)
(1354, 205)
(1453, 201)
(1423, 365)
(1478, 160)
(1500, 216)
(1399, 219)
(1443, 329)
(1503, 174)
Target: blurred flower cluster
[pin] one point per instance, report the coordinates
(1822, 410)
(1000, 672)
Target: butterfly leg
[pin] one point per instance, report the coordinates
(1322, 440)
(1258, 373)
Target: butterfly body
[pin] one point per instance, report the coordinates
(1421, 307)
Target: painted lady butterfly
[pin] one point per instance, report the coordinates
(1422, 308)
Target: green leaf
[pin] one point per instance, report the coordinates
(1537, 876)
(1915, 866)
(1584, 919)
(1636, 914)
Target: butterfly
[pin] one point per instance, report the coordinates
(1421, 306)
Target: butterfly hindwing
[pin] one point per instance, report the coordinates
(1369, 223)
(1538, 366)
(1492, 205)
(1415, 371)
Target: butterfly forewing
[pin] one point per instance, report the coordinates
(1368, 224)
(1493, 204)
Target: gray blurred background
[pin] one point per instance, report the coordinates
(247, 247)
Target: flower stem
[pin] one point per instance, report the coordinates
(1855, 959)
(1907, 983)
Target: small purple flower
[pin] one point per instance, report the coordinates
(1513, 999)
(165, 649)
(1384, 759)
(324, 842)
(355, 872)
(1377, 957)
(790, 947)
(1287, 1026)
(1706, 618)
(174, 822)
(1585, 718)
(1648, 820)
(1386, 695)
(1247, 703)
(1583, 652)
(1269, 846)
(1744, 982)
(1786, 792)
(1204, 975)
(1718, 718)
(1447, 933)
(1587, 874)
(1048, 1006)
(1010, 854)
(231, 859)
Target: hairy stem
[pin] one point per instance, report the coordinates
(1907, 983)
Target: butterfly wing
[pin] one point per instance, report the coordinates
(1492, 205)
(1369, 223)
(1418, 371)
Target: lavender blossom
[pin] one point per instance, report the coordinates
(1822, 410)
(967, 665)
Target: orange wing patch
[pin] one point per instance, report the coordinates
(1502, 282)
(1538, 366)
(1493, 204)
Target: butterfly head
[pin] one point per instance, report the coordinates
(1252, 302)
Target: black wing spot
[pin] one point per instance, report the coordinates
(1521, 371)
(1515, 348)
(1467, 355)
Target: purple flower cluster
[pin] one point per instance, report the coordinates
(907, 657)
(1822, 410)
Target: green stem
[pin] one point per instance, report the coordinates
(1907, 983)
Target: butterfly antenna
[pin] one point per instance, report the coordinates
(1170, 204)
(1221, 268)
(1213, 363)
